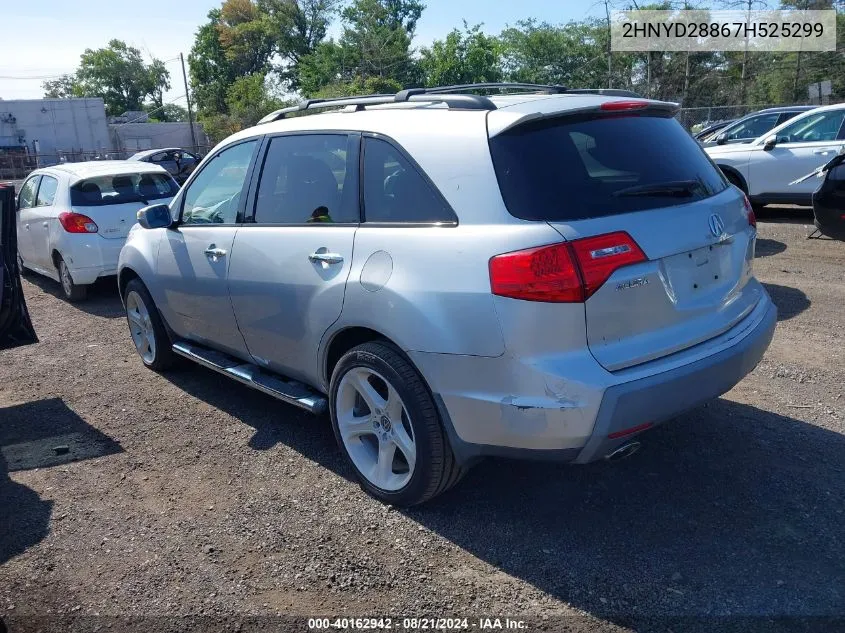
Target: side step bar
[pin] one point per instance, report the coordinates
(251, 375)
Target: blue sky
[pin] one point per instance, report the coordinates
(44, 38)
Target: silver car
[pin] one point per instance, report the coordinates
(452, 276)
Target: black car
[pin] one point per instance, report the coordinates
(829, 200)
(178, 162)
(15, 325)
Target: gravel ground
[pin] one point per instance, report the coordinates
(127, 493)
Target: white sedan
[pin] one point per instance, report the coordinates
(73, 218)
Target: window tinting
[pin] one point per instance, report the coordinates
(394, 191)
(578, 168)
(26, 197)
(214, 195)
(122, 189)
(46, 191)
(305, 179)
(821, 126)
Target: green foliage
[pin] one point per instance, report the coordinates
(170, 112)
(463, 57)
(118, 74)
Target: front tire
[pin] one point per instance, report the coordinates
(388, 428)
(73, 292)
(146, 327)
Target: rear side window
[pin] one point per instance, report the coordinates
(46, 191)
(573, 169)
(122, 188)
(753, 127)
(394, 191)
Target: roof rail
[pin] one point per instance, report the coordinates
(414, 95)
(545, 88)
(448, 95)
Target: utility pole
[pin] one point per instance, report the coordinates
(188, 97)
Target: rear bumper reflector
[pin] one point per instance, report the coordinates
(634, 429)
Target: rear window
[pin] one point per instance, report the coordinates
(584, 167)
(122, 188)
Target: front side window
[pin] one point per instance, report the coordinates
(122, 189)
(394, 191)
(214, 195)
(26, 197)
(46, 191)
(752, 127)
(820, 126)
(306, 179)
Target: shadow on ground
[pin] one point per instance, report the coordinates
(103, 299)
(766, 247)
(38, 434)
(729, 510)
(790, 301)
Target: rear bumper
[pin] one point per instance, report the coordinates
(660, 397)
(564, 408)
(91, 257)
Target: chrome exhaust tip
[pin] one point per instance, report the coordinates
(626, 450)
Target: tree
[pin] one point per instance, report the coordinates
(375, 43)
(210, 70)
(246, 36)
(463, 57)
(62, 88)
(170, 112)
(118, 74)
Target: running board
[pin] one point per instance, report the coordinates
(294, 393)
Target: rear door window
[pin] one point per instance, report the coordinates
(752, 127)
(586, 167)
(46, 191)
(122, 188)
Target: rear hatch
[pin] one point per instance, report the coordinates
(662, 244)
(113, 201)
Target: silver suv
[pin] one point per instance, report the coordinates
(453, 276)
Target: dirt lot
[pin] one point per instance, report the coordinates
(187, 494)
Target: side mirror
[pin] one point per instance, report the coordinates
(721, 139)
(156, 216)
(770, 141)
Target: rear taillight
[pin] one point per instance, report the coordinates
(563, 273)
(599, 256)
(749, 211)
(77, 223)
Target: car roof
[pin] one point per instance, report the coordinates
(150, 152)
(511, 110)
(93, 168)
(795, 108)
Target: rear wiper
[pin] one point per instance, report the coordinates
(677, 189)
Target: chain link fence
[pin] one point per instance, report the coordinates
(16, 165)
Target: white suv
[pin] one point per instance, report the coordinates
(764, 168)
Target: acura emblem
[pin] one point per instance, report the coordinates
(717, 226)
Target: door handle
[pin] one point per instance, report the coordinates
(327, 258)
(26, 226)
(824, 152)
(214, 253)
(45, 225)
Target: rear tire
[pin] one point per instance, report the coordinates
(146, 327)
(388, 428)
(73, 292)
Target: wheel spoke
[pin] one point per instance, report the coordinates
(383, 468)
(393, 407)
(135, 319)
(405, 445)
(362, 385)
(351, 426)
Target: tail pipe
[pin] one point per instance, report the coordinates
(626, 450)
